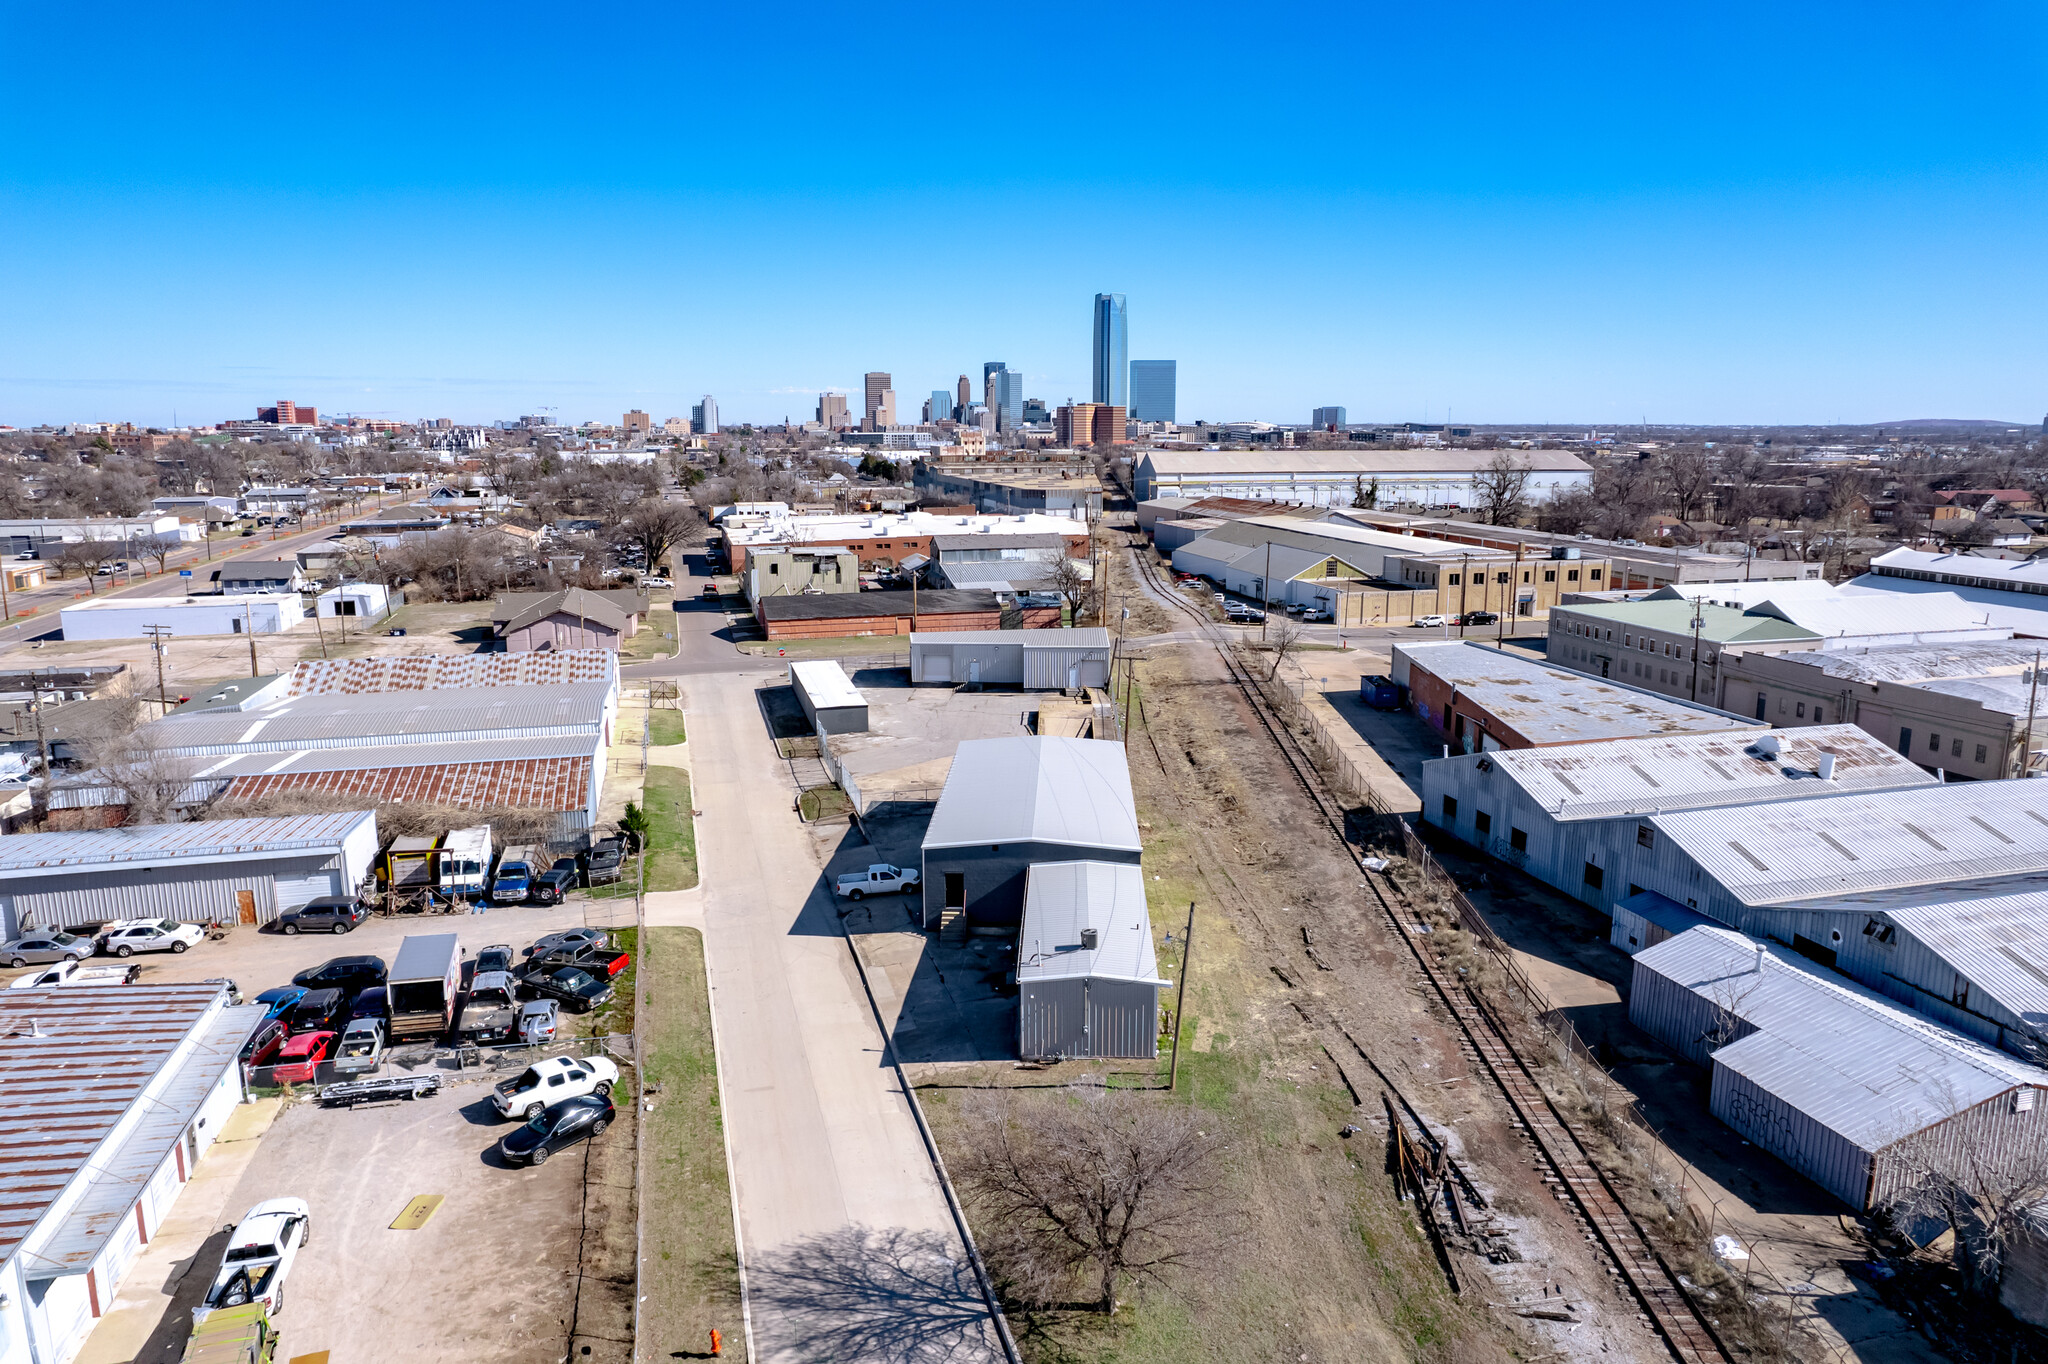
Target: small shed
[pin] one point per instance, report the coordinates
(1012, 802)
(362, 601)
(1087, 978)
(1036, 660)
(831, 702)
(1830, 1077)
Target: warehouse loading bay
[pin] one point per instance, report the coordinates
(498, 1264)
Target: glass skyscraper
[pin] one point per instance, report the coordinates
(1152, 389)
(1112, 351)
(1003, 391)
(941, 406)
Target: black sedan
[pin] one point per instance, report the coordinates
(569, 937)
(553, 1128)
(578, 991)
(348, 974)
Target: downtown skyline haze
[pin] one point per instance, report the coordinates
(1590, 214)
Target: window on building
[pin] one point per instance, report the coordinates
(1500, 577)
(1550, 575)
(1518, 840)
(1819, 715)
(1646, 837)
(1980, 753)
(1571, 575)
(1450, 807)
(1625, 638)
(1595, 877)
(1482, 822)
(1801, 710)
(1934, 743)
(1593, 574)
(1955, 749)
(775, 568)
(1525, 575)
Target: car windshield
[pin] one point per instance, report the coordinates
(167, 925)
(538, 1123)
(572, 978)
(256, 1252)
(63, 939)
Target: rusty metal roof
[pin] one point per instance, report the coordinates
(522, 784)
(72, 1063)
(436, 672)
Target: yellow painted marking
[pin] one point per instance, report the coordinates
(318, 1357)
(416, 1213)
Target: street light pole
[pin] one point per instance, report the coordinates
(1699, 623)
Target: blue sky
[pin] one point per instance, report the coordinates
(1572, 213)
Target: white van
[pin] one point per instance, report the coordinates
(462, 865)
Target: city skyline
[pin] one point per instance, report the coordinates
(1804, 258)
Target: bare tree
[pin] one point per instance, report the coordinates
(1624, 494)
(136, 764)
(657, 525)
(1982, 1169)
(1688, 475)
(87, 556)
(1105, 1187)
(1071, 581)
(1503, 488)
(1284, 638)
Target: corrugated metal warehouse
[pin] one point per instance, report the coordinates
(1480, 698)
(1831, 1078)
(225, 871)
(1568, 814)
(389, 720)
(1009, 803)
(1087, 978)
(1048, 660)
(149, 1077)
(1978, 966)
(831, 702)
(890, 613)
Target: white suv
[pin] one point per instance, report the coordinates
(126, 937)
(546, 1083)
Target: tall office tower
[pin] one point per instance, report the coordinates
(877, 384)
(1328, 419)
(940, 408)
(963, 398)
(704, 417)
(1112, 351)
(637, 423)
(1079, 424)
(832, 414)
(885, 410)
(1152, 389)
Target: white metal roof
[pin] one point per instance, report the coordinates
(1851, 1059)
(825, 682)
(1093, 637)
(1353, 462)
(2000, 943)
(154, 844)
(1062, 898)
(1692, 771)
(1922, 663)
(1547, 704)
(1036, 789)
(2010, 575)
(1793, 851)
(345, 720)
(1860, 617)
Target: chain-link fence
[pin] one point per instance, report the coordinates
(476, 1060)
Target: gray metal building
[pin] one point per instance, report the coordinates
(1036, 660)
(224, 871)
(1013, 802)
(1828, 1076)
(1087, 978)
(1569, 815)
(831, 702)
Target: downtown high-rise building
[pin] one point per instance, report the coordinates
(939, 407)
(877, 383)
(1079, 424)
(832, 413)
(1003, 394)
(1328, 419)
(1112, 351)
(1153, 388)
(704, 417)
(963, 398)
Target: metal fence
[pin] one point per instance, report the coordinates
(1347, 780)
(453, 1062)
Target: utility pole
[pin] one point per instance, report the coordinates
(1464, 586)
(2027, 744)
(1266, 589)
(1180, 996)
(249, 628)
(1699, 623)
(157, 634)
(318, 626)
(35, 708)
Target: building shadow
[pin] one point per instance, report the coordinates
(187, 1284)
(862, 1293)
(782, 713)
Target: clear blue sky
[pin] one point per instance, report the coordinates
(1510, 212)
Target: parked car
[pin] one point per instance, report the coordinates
(656, 582)
(280, 1000)
(344, 973)
(374, 1002)
(72, 972)
(1319, 615)
(268, 1037)
(577, 990)
(1295, 608)
(602, 861)
(568, 937)
(551, 1129)
(497, 957)
(1431, 620)
(259, 1256)
(362, 1047)
(879, 879)
(539, 1020)
(490, 1011)
(298, 1060)
(319, 1011)
(1479, 618)
(126, 937)
(1243, 615)
(600, 959)
(328, 914)
(546, 1083)
(553, 886)
(711, 592)
(49, 945)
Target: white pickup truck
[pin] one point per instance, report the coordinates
(879, 879)
(546, 1083)
(71, 973)
(259, 1257)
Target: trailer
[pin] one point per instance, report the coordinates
(424, 987)
(349, 1093)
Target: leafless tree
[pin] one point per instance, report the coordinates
(1624, 495)
(87, 556)
(657, 525)
(137, 765)
(1071, 580)
(1103, 1188)
(1503, 488)
(1688, 476)
(1983, 1171)
(1283, 638)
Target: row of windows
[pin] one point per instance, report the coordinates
(1482, 824)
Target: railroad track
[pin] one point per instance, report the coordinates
(1607, 1222)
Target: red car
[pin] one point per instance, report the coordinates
(299, 1058)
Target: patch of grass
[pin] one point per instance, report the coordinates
(615, 1018)
(823, 802)
(665, 727)
(671, 838)
(691, 1275)
(656, 637)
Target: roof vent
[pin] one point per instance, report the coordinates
(1767, 746)
(1089, 938)
(1826, 767)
